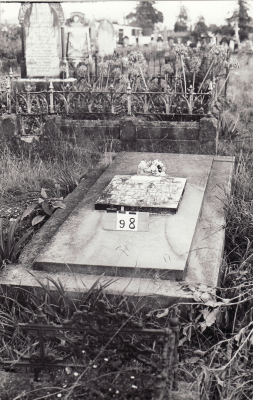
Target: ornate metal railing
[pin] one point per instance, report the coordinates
(97, 331)
(33, 107)
(76, 103)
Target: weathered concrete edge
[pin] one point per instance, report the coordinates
(209, 238)
(158, 291)
(41, 238)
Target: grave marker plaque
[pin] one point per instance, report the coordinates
(142, 193)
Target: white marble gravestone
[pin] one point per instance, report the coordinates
(78, 43)
(42, 45)
(105, 38)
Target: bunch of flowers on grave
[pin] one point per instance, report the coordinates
(81, 71)
(156, 168)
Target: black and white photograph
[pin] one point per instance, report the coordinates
(126, 200)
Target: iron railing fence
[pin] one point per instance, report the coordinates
(32, 107)
(97, 331)
(71, 102)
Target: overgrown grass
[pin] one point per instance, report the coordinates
(105, 372)
(237, 110)
(26, 167)
(216, 346)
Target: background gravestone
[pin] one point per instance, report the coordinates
(93, 34)
(42, 39)
(78, 43)
(105, 38)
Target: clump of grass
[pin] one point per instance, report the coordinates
(239, 212)
(24, 166)
(105, 372)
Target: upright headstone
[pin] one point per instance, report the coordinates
(159, 42)
(155, 33)
(105, 38)
(93, 30)
(78, 42)
(42, 39)
(165, 34)
(236, 29)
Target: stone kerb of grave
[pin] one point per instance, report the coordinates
(75, 247)
(105, 38)
(101, 237)
(42, 27)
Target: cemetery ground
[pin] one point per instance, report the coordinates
(215, 346)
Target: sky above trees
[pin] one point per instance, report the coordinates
(214, 12)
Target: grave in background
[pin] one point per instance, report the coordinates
(43, 47)
(105, 38)
(78, 39)
(187, 244)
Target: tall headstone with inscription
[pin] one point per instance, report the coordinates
(43, 49)
(78, 42)
(105, 38)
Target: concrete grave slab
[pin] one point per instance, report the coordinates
(204, 264)
(86, 247)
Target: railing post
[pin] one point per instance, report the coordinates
(29, 105)
(10, 74)
(145, 106)
(8, 95)
(210, 98)
(96, 66)
(168, 100)
(129, 105)
(111, 88)
(159, 78)
(51, 98)
(191, 99)
(67, 99)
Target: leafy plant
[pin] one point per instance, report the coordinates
(9, 245)
(47, 205)
(228, 127)
(67, 182)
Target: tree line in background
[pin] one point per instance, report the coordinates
(145, 16)
(240, 14)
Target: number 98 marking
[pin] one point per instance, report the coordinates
(131, 223)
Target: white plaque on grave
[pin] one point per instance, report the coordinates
(142, 193)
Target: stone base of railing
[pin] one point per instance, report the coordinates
(130, 134)
(127, 134)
